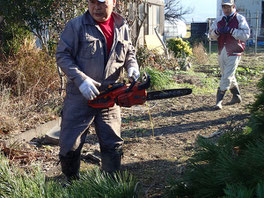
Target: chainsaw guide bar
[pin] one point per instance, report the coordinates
(170, 93)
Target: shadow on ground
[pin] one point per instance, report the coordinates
(183, 128)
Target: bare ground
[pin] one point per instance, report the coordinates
(159, 137)
(156, 156)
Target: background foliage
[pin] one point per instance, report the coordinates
(45, 19)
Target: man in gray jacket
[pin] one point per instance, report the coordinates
(92, 51)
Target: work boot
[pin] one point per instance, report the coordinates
(219, 99)
(236, 96)
(111, 161)
(70, 165)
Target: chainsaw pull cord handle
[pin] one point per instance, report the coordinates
(131, 86)
(144, 85)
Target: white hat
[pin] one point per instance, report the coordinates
(228, 2)
(102, 1)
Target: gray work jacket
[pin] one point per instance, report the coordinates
(82, 52)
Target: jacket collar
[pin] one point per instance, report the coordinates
(230, 17)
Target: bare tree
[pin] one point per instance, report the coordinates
(174, 10)
(135, 13)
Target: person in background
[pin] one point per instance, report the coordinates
(231, 31)
(92, 51)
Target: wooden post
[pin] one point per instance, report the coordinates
(256, 35)
(210, 42)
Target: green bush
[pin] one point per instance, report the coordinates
(45, 19)
(16, 183)
(13, 37)
(179, 47)
(257, 110)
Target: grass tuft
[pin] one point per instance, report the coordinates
(17, 183)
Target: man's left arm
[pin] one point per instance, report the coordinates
(243, 31)
(131, 64)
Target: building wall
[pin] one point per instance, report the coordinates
(155, 18)
(156, 2)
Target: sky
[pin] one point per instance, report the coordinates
(202, 9)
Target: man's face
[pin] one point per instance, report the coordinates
(228, 9)
(101, 11)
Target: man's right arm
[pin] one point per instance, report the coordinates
(66, 52)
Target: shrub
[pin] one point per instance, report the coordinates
(16, 183)
(256, 123)
(181, 51)
(45, 19)
(29, 88)
(12, 38)
(179, 47)
(156, 66)
(30, 71)
(96, 184)
(151, 58)
(199, 53)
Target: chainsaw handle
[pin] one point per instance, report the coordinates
(144, 85)
(131, 86)
(146, 82)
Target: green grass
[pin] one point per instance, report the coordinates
(203, 84)
(159, 79)
(15, 183)
(96, 184)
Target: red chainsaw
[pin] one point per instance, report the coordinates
(134, 94)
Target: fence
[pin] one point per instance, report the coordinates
(256, 39)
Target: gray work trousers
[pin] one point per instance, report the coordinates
(77, 116)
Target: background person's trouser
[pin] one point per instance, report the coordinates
(228, 66)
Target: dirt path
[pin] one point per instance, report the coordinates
(177, 123)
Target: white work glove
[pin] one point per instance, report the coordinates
(133, 73)
(88, 88)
